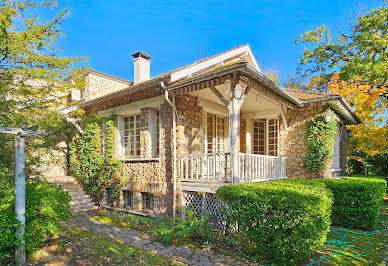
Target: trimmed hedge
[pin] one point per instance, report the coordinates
(285, 220)
(357, 200)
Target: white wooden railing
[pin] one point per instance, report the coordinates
(205, 167)
(256, 168)
(215, 167)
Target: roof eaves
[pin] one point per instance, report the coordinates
(242, 67)
(336, 98)
(131, 89)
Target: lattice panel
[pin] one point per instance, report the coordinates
(193, 201)
(205, 202)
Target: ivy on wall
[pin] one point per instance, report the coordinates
(320, 142)
(92, 160)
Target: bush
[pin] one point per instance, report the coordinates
(46, 206)
(285, 220)
(179, 229)
(357, 200)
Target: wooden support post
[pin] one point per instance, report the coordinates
(20, 197)
(236, 101)
(20, 185)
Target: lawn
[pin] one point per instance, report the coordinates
(373, 245)
(75, 246)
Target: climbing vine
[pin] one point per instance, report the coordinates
(92, 160)
(320, 142)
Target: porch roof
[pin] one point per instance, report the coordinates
(243, 68)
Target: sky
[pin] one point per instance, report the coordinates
(173, 32)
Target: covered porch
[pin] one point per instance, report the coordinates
(240, 133)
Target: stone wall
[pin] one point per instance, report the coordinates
(189, 140)
(96, 86)
(293, 142)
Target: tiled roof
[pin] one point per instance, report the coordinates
(307, 95)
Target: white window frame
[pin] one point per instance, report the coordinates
(266, 140)
(136, 142)
(215, 138)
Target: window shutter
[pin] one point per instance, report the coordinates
(120, 136)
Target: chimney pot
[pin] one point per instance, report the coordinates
(141, 67)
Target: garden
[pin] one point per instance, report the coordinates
(288, 222)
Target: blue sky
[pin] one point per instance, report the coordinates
(172, 32)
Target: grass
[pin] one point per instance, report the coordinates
(374, 245)
(218, 243)
(76, 246)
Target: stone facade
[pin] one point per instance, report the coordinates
(97, 85)
(293, 142)
(154, 175)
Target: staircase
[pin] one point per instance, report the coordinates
(80, 201)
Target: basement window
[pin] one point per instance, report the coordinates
(128, 199)
(148, 201)
(109, 192)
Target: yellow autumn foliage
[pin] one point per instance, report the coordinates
(371, 136)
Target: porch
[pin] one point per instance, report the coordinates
(216, 167)
(238, 139)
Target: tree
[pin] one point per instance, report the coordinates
(361, 55)
(354, 66)
(31, 70)
(273, 75)
(371, 136)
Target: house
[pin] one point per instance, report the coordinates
(215, 122)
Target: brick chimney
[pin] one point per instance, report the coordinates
(141, 66)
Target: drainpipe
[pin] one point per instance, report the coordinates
(172, 104)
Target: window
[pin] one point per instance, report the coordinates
(132, 136)
(243, 135)
(128, 198)
(109, 199)
(273, 129)
(148, 201)
(158, 125)
(210, 133)
(259, 136)
(266, 137)
(215, 133)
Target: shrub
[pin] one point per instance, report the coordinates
(357, 200)
(286, 221)
(320, 143)
(179, 229)
(92, 160)
(46, 206)
(8, 222)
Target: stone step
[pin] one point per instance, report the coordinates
(80, 197)
(81, 201)
(82, 209)
(60, 179)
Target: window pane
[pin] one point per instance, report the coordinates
(259, 136)
(273, 136)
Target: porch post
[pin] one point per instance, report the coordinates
(234, 133)
(239, 93)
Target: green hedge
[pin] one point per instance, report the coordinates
(357, 200)
(46, 206)
(285, 220)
